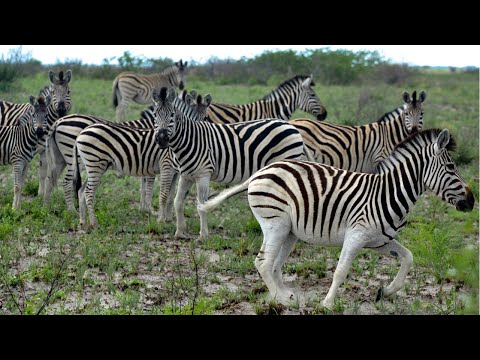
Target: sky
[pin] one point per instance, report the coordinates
(421, 55)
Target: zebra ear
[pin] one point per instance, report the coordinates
(68, 76)
(193, 94)
(308, 81)
(51, 76)
(189, 100)
(32, 100)
(156, 95)
(207, 100)
(442, 141)
(185, 64)
(423, 96)
(171, 94)
(406, 97)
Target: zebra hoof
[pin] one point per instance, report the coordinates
(379, 295)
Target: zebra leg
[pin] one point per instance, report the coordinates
(171, 194)
(42, 173)
(120, 112)
(68, 189)
(19, 171)
(183, 186)
(82, 205)
(202, 196)
(285, 251)
(405, 257)
(275, 236)
(350, 249)
(150, 182)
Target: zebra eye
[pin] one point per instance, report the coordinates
(450, 166)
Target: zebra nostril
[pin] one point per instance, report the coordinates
(322, 116)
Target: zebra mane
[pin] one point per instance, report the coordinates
(145, 113)
(386, 117)
(420, 138)
(170, 70)
(289, 82)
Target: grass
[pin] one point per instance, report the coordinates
(132, 265)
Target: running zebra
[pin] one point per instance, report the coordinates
(218, 152)
(129, 86)
(360, 148)
(333, 207)
(130, 151)
(60, 104)
(18, 143)
(281, 103)
(60, 150)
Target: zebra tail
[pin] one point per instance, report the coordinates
(308, 153)
(77, 176)
(224, 195)
(115, 96)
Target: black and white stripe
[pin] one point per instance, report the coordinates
(129, 86)
(281, 103)
(360, 148)
(333, 207)
(19, 143)
(216, 152)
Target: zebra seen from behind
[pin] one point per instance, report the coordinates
(19, 142)
(129, 86)
(361, 148)
(333, 207)
(217, 152)
(281, 103)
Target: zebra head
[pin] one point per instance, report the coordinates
(442, 176)
(198, 104)
(181, 73)
(164, 115)
(309, 102)
(38, 114)
(413, 110)
(60, 92)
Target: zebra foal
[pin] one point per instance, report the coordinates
(333, 207)
(18, 143)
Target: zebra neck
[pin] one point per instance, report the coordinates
(280, 104)
(392, 128)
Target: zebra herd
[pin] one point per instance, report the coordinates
(335, 185)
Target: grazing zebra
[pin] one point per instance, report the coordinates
(281, 103)
(360, 148)
(218, 152)
(129, 86)
(333, 207)
(18, 143)
(130, 151)
(60, 104)
(60, 150)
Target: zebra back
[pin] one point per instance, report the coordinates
(281, 103)
(360, 148)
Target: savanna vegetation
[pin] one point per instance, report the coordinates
(132, 265)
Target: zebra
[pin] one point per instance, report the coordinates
(360, 148)
(60, 104)
(18, 143)
(334, 207)
(218, 152)
(60, 150)
(129, 86)
(281, 103)
(130, 151)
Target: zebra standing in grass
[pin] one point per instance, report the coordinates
(325, 205)
(217, 152)
(60, 104)
(129, 151)
(129, 86)
(281, 103)
(360, 148)
(60, 150)
(18, 143)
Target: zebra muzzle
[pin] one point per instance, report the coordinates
(62, 111)
(181, 85)
(468, 203)
(162, 138)
(39, 132)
